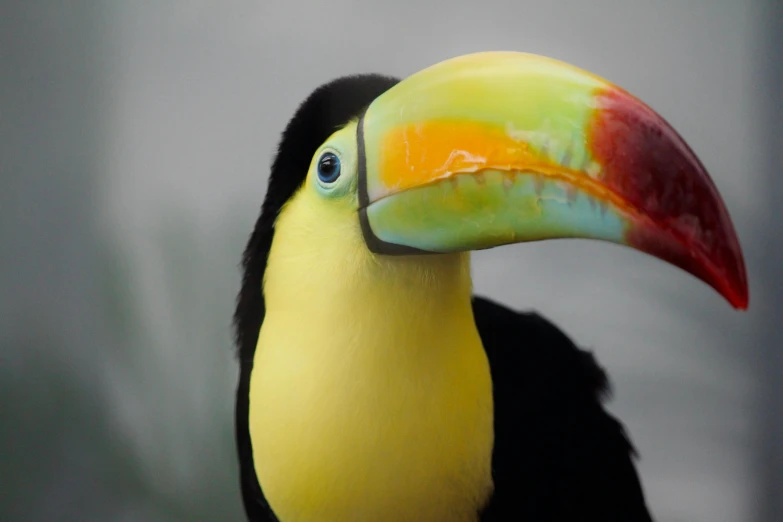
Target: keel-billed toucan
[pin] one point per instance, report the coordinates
(373, 386)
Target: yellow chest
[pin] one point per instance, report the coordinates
(370, 394)
(372, 415)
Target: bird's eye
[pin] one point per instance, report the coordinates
(328, 168)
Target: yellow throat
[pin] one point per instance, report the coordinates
(370, 396)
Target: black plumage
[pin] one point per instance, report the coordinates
(558, 455)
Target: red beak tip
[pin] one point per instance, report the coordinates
(740, 300)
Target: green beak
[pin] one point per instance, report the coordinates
(496, 148)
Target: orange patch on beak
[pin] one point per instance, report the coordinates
(416, 154)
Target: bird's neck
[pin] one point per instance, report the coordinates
(370, 395)
(406, 299)
(332, 284)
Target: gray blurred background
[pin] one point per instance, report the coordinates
(135, 140)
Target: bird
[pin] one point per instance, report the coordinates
(373, 384)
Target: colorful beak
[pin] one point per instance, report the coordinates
(496, 148)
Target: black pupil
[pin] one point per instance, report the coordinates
(328, 167)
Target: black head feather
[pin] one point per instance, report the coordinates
(321, 114)
(328, 108)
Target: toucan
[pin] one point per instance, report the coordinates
(373, 385)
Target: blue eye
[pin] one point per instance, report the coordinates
(328, 168)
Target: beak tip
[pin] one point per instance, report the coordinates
(738, 301)
(735, 288)
(733, 285)
(719, 264)
(742, 305)
(737, 293)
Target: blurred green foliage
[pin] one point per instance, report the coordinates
(144, 430)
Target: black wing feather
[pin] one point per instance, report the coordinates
(558, 455)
